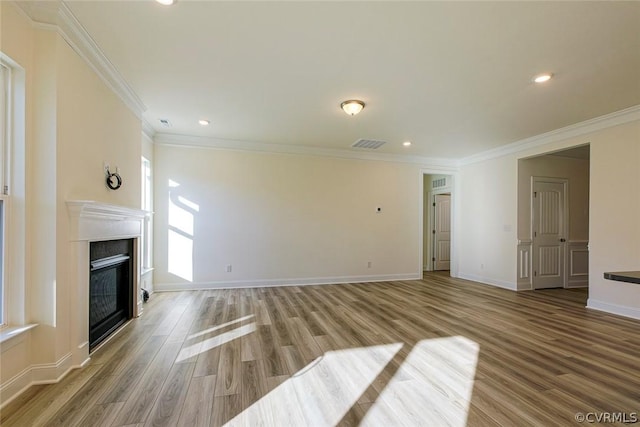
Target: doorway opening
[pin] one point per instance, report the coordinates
(553, 220)
(437, 223)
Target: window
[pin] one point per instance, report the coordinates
(146, 205)
(12, 193)
(5, 119)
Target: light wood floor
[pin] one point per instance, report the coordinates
(438, 351)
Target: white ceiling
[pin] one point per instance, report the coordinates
(452, 77)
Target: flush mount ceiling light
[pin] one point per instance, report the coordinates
(352, 106)
(407, 143)
(166, 2)
(204, 122)
(541, 78)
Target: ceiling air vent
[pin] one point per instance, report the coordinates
(437, 183)
(165, 123)
(371, 144)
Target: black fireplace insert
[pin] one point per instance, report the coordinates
(110, 288)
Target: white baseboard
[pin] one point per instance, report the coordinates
(46, 373)
(621, 310)
(15, 387)
(487, 281)
(235, 284)
(49, 373)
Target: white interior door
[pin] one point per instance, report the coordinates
(442, 232)
(548, 213)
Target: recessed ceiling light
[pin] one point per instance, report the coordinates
(541, 78)
(165, 123)
(166, 2)
(204, 122)
(407, 143)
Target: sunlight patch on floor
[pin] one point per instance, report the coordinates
(432, 387)
(321, 393)
(218, 327)
(216, 341)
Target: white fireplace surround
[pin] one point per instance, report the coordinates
(91, 221)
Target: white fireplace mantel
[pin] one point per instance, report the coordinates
(91, 221)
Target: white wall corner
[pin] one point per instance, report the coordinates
(56, 15)
(620, 310)
(147, 130)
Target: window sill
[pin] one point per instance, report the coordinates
(10, 332)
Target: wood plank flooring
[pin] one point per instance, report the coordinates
(438, 351)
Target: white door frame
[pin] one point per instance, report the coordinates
(453, 190)
(565, 220)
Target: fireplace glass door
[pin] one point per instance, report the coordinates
(110, 296)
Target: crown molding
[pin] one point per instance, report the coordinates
(588, 126)
(56, 15)
(443, 164)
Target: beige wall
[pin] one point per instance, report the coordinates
(280, 218)
(487, 221)
(614, 231)
(576, 171)
(74, 124)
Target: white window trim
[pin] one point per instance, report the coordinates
(15, 314)
(5, 139)
(4, 215)
(147, 206)
(6, 121)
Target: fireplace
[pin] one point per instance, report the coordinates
(91, 224)
(110, 288)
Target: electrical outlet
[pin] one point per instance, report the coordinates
(229, 268)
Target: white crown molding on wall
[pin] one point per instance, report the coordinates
(439, 164)
(55, 15)
(592, 125)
